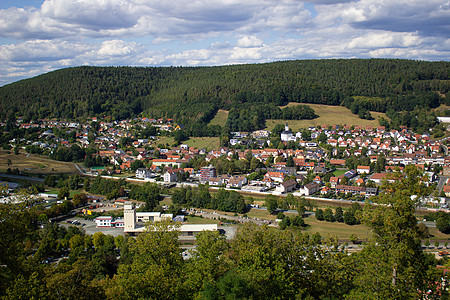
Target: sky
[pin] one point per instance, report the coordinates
(40, 36)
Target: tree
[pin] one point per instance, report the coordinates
(156, 269)
(136, 165)
(290, 162)
(443, 224)
(395, 254)
(271, 203)
(79, 199)
(63, 193)
(339, 214)
(319, 214)
(353, 238)
(328, 215)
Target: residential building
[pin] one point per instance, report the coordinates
(206, 173)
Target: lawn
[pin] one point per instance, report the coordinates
(339, 172)
(34, 164)
(328, 115)
(203, 142)
(220, 118)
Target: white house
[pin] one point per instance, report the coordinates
(170, 176)
(287, 134)
(143, 173)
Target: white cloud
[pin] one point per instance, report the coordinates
(116, 48)
(249, 41)
(63, 33)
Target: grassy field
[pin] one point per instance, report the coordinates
(260, 214)
(436, 234)
(164, 140)
(209, 143)
(340, 230)
(220, 118)
(328, 115)
(34, 164)
(441, 108)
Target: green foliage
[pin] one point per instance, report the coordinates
(252, 93)
(271, 203)
(402, 269)
(148, 193)
(319, 214)
(223, 200)
(63, 193)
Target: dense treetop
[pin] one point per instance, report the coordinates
(194, 94)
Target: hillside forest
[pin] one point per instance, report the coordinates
(251, 93)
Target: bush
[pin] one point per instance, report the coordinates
(319, 214)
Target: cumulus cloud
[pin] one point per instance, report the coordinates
(63, 33)
(249, 41)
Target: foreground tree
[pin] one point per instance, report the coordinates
(155, 269)
(392, 265)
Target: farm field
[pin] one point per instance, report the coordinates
(34, 164)
(328, 115)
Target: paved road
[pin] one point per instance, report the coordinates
(22, 177)
(442, 181)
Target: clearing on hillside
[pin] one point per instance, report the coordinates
(328, 115)
(34, 164)
(220, 118)
(209, 143)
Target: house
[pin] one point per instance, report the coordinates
(237, 181)
(286, 186)
(325, 190)
(446, 190)
(310, 189)
(275, 176)
(359, 182)
(215, 181)
(287, 134)
(334, 181)
(337, 162)
(170, 176)
(378, 177)
(363, 169)
(318, 180)
(143, 173)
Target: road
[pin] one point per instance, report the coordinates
(442, 181)
(22, 177)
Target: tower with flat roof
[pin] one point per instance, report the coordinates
(129, 216)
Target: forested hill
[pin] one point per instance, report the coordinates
(194, 94)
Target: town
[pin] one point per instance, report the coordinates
(333, 162)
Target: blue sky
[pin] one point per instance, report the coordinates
(40, 36)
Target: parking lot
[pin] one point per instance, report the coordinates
(90, 227)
